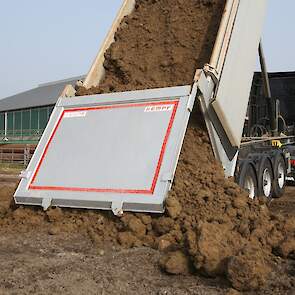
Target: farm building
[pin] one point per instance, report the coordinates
(23, 117)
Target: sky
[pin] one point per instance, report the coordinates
(44, 41)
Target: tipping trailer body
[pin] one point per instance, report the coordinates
(62, 174)
(228, 75)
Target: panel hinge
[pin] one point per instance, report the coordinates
(117, 208)
(46, 203)
(167, 176)
(211, 71)
(25, 174)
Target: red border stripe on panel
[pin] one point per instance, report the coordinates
(109, 190)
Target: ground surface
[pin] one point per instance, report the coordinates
(42, 264)
(286, 204)
(36, 262)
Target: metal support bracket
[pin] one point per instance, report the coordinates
(25, 174)
(46, 203)
(212, 72)
(202, 85)
(117, 208)
(168, 176)
(288, 157)
(206, 86)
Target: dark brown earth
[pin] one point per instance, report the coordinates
(160, 44)
(212, 236)
(62, 252)
(211, 229)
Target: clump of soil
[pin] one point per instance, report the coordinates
(5, 200)
(175, 263)
(210, 226)
(248, 270)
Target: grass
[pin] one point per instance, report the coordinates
(11, 168)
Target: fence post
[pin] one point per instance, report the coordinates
(26, 156)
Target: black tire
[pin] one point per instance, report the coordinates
(265, 178)
(280, 172)
(248, 177)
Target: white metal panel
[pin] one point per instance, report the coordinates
(105, 147)
(105, 153)
(232, 96)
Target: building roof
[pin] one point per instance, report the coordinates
(290, 74)
(43, 95)
(282, 75)
(48, 93)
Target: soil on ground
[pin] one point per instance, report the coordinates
(212, 242)
(64, 252)
(212, 239)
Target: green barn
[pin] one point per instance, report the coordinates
(24, 116)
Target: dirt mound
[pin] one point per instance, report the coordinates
(219, 227)
(210, 225)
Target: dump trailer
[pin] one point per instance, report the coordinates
(93, 153)
(258, 124)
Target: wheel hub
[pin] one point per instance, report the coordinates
(281, 176)
(250, 187)
(267, 183)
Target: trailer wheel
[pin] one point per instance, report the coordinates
(248, 179)
(265, 178)
(280, 171)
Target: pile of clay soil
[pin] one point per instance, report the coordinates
(210, 227)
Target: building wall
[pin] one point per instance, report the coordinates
(282, 88)
(24, 125)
